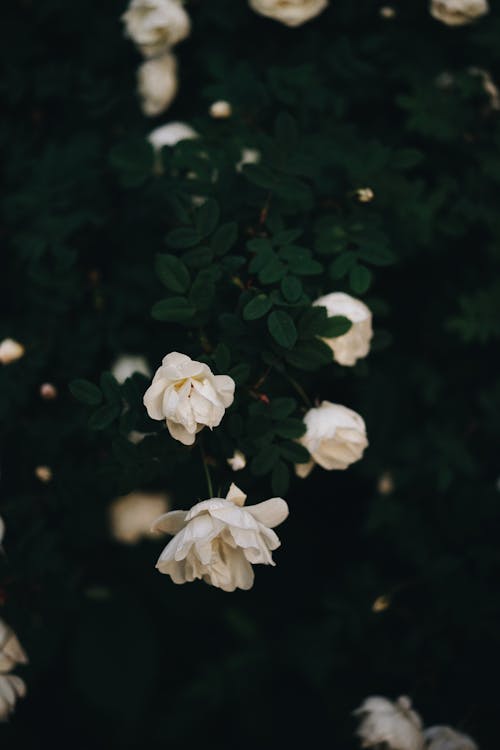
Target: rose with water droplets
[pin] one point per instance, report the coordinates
(335, 437)
(156, 25)
(458, 12)
(188, 396)
(219, 540)
(395, 724)
(289, 12)
(355, 344)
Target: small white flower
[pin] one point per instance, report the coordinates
(188, 396)
(131, 516)
(335, 437)
(11, 651)
(238, 461)
(289, 12)
(10, 350)
(395, 724)
(446, 738)
(11, 688)
(365, 195)
(171, 134)
(220, 110)
(458, 12)
(354, 344)
(127, 364)
(157, 83)
(248, 156)
(387, 11)
(219, 540)
(156, 25)
(43, 473)
(48, 391)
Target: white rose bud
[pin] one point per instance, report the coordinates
(48, 391)
(127, 364)
(157, 84)
(248, 156)
(11, 651)
(289, 12)
(365, 195)
(458, 12)
(43, 473)
(171, 134)
(188, 396)
(11, 688)
(354, 344)
(238, 461)
(220, 110)
(10, 350)
(219, 540)
(446, 738)
(156, 25)
(335, 437)
(394, 724)
(131, 516)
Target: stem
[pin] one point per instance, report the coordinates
(207, 472)
(305, 398)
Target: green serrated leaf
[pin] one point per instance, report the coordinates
(259, 175)
(183, 237)
(200, 257)
(109, 387)
(335, 326)
(310, 355)
(104, 416)
(240, 373)
(282, 407)
(86, 392)
(290, 428)
(360, 278)
(291, 288)
(377, 256)
(282, 329)
(265, 460)
(222, 357)
(257, 307)
(224, 238)
(203, 290)
(173, 309)
(341, 266)
(172, 273)
(294, 452)
(207, 217)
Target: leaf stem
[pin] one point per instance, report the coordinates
(206, 470)
(305, 398)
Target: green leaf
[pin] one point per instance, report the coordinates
(240, 373)
(341, 266)
(282, 329)
(310, 355)
(360, 278)
(377, 256)
(257, 307)
(335, 326)
(207, 217)
(265, 460)
(110, 387)
(203, 290)
(286, 132)
(290, 428)
(312, 321)
(272, 271)
(224, 238)
(286, 236)
(104, 416)
(172, 273)
(259, 175)
(133, 161)
(222, 357)
(280, 478)
(183, 237)
(174, 310)
(294, 452)
(200, 257)
(86, 392)
(291, 288)
(282, 407)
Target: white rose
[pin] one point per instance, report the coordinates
(289, 12)
(127, 364)
(354, 344)
(218, 540)
(171, 134)
(458, 12)
(248, 156)
(395, 724)
(188, 396)
(446, 738)
(335, 437)
(131, 516)
(10, 350)
(238, 461)
(157, 84)
(220, 110)
(11, 651)
(11, 688)
(156, 25)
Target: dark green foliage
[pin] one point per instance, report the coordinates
(105, 252)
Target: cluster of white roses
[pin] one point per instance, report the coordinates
(156, 26)
(11, 686)
(398, 727)
(218, 540)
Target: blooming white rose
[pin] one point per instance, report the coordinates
(125, 366)
(218, 540)
(354, 344)
(458, 12)
(248, 156)
(335, 437)
(131, 515)
(156, 25)
(11, 688)
(171, 134)
(188, 396)
(10, 350)
(395, 724)
(238, 461)
(289, 12)
(446, 738)
(157, 84)
(11, 651)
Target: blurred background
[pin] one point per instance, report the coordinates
(387, 581)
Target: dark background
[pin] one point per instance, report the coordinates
(119, 656)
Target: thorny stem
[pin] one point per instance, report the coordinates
(206, 470)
